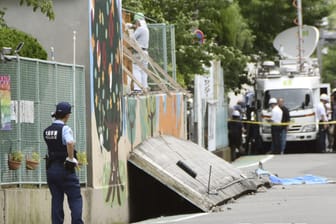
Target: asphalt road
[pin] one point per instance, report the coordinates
(280, 204)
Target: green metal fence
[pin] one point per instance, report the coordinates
(162, 46)
(36, 86)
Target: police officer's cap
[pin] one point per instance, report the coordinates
(62, 108)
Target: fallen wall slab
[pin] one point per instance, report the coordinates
(191, 171)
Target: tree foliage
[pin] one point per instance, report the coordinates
(268, 18)
(46, 7)
(32, 48)
(10, 37)
(227, 35)
(328, 65)
(234, 30)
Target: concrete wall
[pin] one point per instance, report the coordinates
(116, 123)
(108, 200)
(33, 206)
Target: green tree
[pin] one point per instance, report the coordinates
(45, 6)
(10, 37)
(268, 18)
(328, 65)
(227, 35)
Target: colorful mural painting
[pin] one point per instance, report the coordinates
(158, 114)
(172, 116)
(120, 123)
(106, 71)
(5, 103)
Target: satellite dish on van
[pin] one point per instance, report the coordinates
(286, 42)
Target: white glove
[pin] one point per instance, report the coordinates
(129, 26)
(73, 160)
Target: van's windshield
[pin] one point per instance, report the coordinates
(294, 99)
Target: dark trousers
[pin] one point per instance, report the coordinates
(276, 139)
(321, 140)
(235, 141)
(60, 182)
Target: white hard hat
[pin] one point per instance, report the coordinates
(333, 90)
(236, 113)
(272, 101)
(324, 97)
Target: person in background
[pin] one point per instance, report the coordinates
(322, 118)
(241, 107)
(330, 129)
(61, 164)
(285, 119)
(333, 108)
(235, 129)
(141, 35)
(249, 99)
(276, 128)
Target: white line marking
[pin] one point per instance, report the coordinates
(183, 218)
(256, 163)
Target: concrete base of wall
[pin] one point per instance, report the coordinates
(23, 205)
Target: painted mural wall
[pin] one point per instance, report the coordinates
(120, 123)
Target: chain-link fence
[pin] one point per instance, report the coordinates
(162, 46)
(36, 86)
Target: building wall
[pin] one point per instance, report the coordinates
(71, 15)
(116, 123)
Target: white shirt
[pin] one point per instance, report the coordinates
(141, 35)
(321, 112)
(276, 114)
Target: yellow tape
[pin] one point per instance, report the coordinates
(280, 124)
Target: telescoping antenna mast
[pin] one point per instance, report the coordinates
(298, 21)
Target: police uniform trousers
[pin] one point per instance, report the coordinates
(60, 182)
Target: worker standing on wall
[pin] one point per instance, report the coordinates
(141, 36)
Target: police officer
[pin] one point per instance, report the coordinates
(61, 163)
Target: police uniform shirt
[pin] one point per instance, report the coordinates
(67, 134)
(276, 114)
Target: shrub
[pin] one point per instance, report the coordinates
(10, 37)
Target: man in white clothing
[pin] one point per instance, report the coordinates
(276, 125)
(141, 35)
(322, 117)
